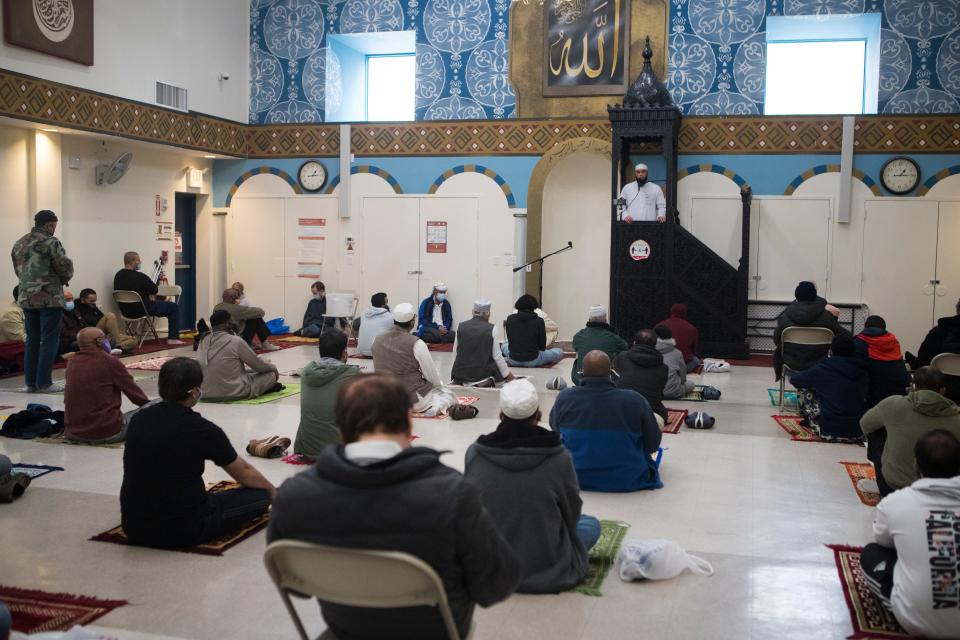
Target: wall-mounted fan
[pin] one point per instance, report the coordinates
(115, 170)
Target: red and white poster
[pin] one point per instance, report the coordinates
(436, 236)
(640, 250)
(311, 235)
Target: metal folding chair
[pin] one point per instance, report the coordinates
(810, 336)
(140, 326)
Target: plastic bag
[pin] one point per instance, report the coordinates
(657, 560)
(278, 326)
(713, 365)
(438, 402)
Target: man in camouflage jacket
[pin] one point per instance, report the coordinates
(43, 267)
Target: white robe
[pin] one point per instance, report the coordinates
(644, 204)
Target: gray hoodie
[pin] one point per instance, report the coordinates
(921, 523)
(375, 321)
(676, 368)
(530, 489)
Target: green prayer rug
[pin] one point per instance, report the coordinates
(602, 556)
(291, 389)
(789, 397)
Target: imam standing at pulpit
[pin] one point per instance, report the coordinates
(642, 201)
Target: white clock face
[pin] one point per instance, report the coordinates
(900, 175)
(312, 176)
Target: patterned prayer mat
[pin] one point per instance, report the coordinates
(36, 611)
(214, 548)
(291, 389)
(602, 556)
(870, 619)
(446, 347)
(675, 418)
(150, 364)
(61, 440)
(789, 398)
(460, 399)
(299, 459)
(34, 470)
(800, 433)
(858, 471)
(360, 356)
(694, 396)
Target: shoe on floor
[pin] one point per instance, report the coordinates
(868, 485)
(12, 486)
(56, 387)
(486, 383)
(276, 388)
(116, 352)
(175, 341)
(272, 447)
(267, 347)
(464, 412)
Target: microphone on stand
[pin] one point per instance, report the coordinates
(570, 244)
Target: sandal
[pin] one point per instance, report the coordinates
(463, 412)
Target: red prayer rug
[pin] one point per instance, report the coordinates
(150, 364)
(792, 425)
(35, 611)
(859, 471)
(446, 347)
(870, 619)
(675, 418)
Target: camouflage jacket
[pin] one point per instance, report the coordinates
(43, 268)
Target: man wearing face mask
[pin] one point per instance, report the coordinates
(436, 317)
(314, 321)
(643, 200)
(93, 316)
(130, 278)
(70, 325)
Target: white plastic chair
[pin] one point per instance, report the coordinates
(810, 336)
(137, 327)
(947, 363)
(355, 578)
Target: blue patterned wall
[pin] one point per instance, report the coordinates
(718, 48)
(462, 64)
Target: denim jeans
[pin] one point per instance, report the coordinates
(43, 342)
(588, 530)
(543, 358)
(168, 310)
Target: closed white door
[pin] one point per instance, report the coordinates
(898, 264)
(948, 260)
(390, 255)
(792, 245)
(454, 258)
(717, 222)
(255, 235)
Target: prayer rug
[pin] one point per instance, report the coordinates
(859, 471)
(870, 619)
(213, 548)
(36, 611)
(755, 360)
(151, 346)
(291, 389)
(61, 440)
(297, 339)
(446, 347)
(150, 364)
(792, 425)
(694, 396)
(675, 418)
(460, 399)
(602, 556)
(360, 356)
(34, 470)
(298, 458)
(790, 399)
(6, 406)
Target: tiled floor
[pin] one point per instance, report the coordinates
(756, 505)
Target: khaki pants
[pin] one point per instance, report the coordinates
(260, 383)
(660, 422)
(111, 326)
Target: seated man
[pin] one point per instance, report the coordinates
(314, 318)
(912, 565)
(363, 495)
(405, 356)
(478, 357)
(526, 344)
(886, 372)
(597, 335)
(131, 279)
(224, 357)
(163, 502)
(92, 399)
(435, 318)
(677, 384)
(807, 310)
(70, 325)
(611, 433)
(686, 335)
(375, 321)
(897, 423)
(319, 384)
(248, 320)
(107, 322)
(943, 338)
(12, 328)
(831, 393)
(530, 489)
(641, 368)
(242, 300)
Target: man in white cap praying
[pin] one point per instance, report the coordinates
(405, 356)
(643, 201)
(598, 334)
(436, 317)
(479, 361)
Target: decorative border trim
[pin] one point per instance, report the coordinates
(476, 168)
(713, 168)
(937, 177)
(259, 171)
(367, 168)
(831, 168)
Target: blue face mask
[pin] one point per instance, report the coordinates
(441, 297)
(68, 305)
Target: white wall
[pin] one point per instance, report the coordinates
(187, 43)
(15, 195)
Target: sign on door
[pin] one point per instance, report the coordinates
(436, 236)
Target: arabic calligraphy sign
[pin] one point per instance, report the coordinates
(586, 48)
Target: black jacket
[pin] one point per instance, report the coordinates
(526, 335)
(943, 338)
(803, 314)
(641, 368)
(90, 313)
(409, 503)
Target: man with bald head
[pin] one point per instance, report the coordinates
(130, 278)
(611, 433)
(92, 399)
(643, 201)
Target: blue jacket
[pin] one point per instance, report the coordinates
(426, 316)
(840, 385)
(610, 433)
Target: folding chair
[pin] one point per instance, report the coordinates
(138, 327)
(341, 304)
(947, 363)
(810, 336)
(170, 291)
(355, 578)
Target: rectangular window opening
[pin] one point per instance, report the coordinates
(391, 81)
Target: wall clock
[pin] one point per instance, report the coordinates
(900, 175)
(312, 176)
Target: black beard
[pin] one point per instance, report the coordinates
(641, 181)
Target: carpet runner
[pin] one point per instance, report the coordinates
(602, 556)
(870, 619)
(859, 471)
(35, 611)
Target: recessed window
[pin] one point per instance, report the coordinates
(391, 81)
(815, 77)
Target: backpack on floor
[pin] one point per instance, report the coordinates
(36, 421)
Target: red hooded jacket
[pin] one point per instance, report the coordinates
(685, 334)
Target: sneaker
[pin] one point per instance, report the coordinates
(116, 352)
(268, 347)
(56, 387)
(175, 341)
(868, 485)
